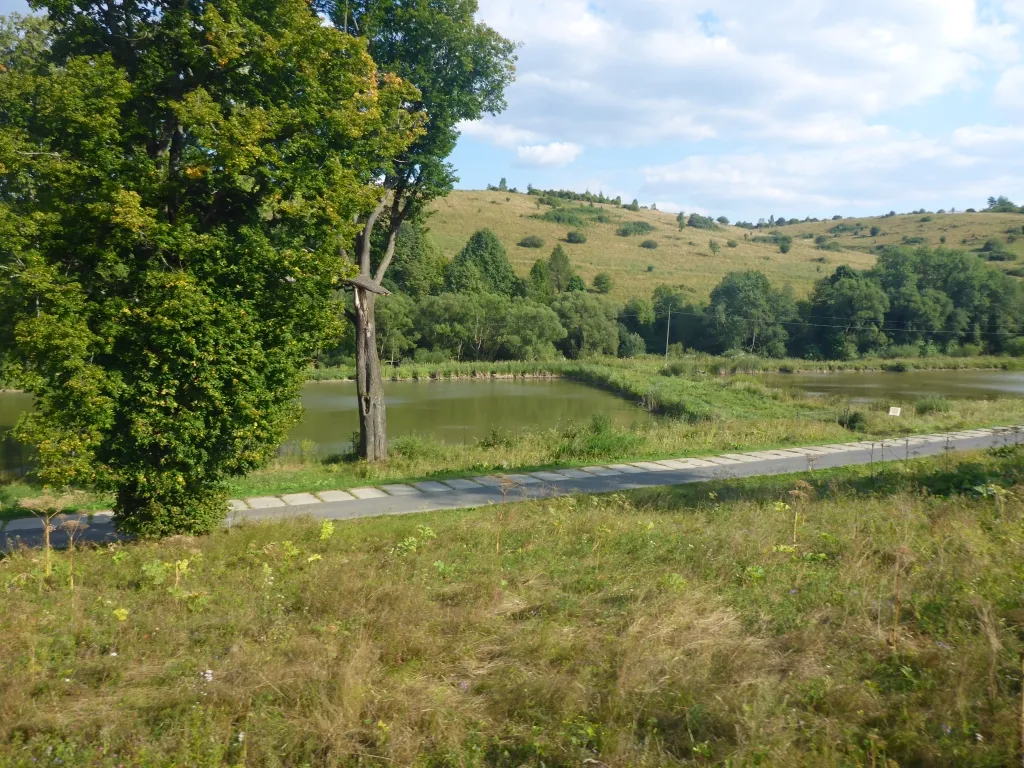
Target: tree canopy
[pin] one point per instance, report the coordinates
(177, 180)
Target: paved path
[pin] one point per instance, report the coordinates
(400, 499)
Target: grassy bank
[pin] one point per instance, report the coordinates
(695, 364)
(838, 619)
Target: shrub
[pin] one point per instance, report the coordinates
(876, 231)
(576, 284)
(634, 228)
(1002, 256)
(700, 222)
(631, 344)
(532, 241)
(603, 282)
(931, 404)
(650, 267)
(831, 245)
(855, 421)
(926, 218)
(722, 220)
(714, 246)
(576, 237)
(649, 244)
(731, 243)
(913, 240)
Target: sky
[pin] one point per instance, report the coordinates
(747, 108)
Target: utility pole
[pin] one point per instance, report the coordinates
(668, 328)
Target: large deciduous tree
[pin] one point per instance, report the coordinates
(461, 68)
(176, 183)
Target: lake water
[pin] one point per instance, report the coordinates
(901, 387)
(453, 411)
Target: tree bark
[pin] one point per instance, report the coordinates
(373, 439)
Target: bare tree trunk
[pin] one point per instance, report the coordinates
(373, 439)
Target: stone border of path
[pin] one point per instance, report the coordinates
(405, 498)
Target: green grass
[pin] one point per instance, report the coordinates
(846, 618)
(683, 257)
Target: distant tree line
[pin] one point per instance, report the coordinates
(475, 307)
(912, 302)
(567, 194)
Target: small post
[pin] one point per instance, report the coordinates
(668, 328)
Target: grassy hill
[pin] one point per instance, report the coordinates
(684, 257)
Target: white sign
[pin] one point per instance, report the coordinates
(894, 411)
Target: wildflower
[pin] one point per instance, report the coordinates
(208, 676)
(979, 738)
(121, 614)
(326, 530)
(241, 736)
(946, 729)
(313, 558)
(113, 653)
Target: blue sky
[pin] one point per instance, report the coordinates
(750, 109)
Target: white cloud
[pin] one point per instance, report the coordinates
(983, 135)
(1009, 90)
(554, 155)
(506, 136)
(735, 105)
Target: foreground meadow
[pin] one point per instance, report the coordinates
(848, 618)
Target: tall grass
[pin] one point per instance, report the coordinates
(836, 619)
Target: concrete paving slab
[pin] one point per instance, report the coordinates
(431, 487)
(264, 502)
(333, 496)
(299, 499)
(24, 524)
(720, 460)
(696, 463)
(739, 457)
(627, 469)
(459, 484)
(523, 479)
(368, 493)
(237, 505)
(488, 481)
(602, 471)
(399, 490)
(102, 517)
(549, 477)
(576, 474)
(650, 466)
(673, 464)
(764, 455)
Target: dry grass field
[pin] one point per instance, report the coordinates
(684, 257)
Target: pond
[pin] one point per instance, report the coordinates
(902, 387)
(452, 411)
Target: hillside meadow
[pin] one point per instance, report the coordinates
(860, 617)
(684, 257)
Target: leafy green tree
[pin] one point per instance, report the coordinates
(486, 253)
(560, 269)
(630, 344)
(528, 331)
(539, 284)
(785, 243)
(724, 220)
(876, 231)
(700, 222)
(503, 185)
(714, 246)
(846, 315)
(419, 268)
(576, 284)
(681, 220)
(746, 312)
(177, 180)
(603, 282)
(634, 206)
(461, 68)
(1001, 204)
(590, 324)
(396, 327)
